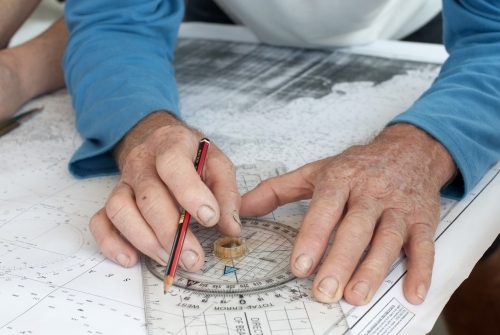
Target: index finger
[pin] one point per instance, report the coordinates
(352, 237)
(325, 211)
(174, 164)
(220, 177)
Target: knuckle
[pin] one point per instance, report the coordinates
(171, 136)
(421, 245)
(364, 206)
(165, 232)
(96, 229)
(135, 160)
(358, 225)
(425, 245)
(324, 187)
(170, 163)
(326, 215)
(273, 185)
(328, 197)
(94, 224)
(344, 264)
(140, 239)
(233, 193)
(422, 230)
(359, 231)
(374, 268)
(150, 207)
(105, 243)
(394, 235)
(312, 170)
(144, 180)
(116, 207)
(317, 236)
(331, 193)
(188, 196)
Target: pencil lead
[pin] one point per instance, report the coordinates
(167, 283)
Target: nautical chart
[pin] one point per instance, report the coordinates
(259, 104)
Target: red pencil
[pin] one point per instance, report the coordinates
(180, 235)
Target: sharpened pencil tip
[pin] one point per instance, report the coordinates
(167, 283)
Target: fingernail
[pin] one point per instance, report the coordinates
(329, 286)
(236, 217)
(122, 259)
(303, 263)
(361, 288)
(205, 214)
(189, 259)
(163, 255)
(421, 291)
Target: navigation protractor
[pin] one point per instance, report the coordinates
(264, 267)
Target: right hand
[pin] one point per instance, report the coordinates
(156, 159)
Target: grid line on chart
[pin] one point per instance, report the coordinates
(38, 203)
(216, 326)
(31, 246)
(294, 320)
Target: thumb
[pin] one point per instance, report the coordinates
(278, 191)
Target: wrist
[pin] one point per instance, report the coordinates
(140, 132)
(419, 144)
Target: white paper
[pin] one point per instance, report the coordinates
(258, 104)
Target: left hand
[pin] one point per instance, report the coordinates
(384, 194)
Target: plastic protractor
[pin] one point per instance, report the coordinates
(263, 267)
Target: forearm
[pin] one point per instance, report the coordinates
(42, 73)
(32, 68)
(13, 13)
(461, 110)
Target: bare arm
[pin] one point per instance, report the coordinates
(32, 68)
(13, 13)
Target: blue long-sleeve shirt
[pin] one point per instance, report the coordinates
(462, 107)
(118, 70)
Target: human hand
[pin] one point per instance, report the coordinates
(385, 194)
(156, 159)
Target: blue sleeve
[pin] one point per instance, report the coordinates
(462, 108)
(118, 69)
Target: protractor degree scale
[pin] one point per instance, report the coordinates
(264, 267)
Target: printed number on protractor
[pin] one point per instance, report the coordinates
(265, 265)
